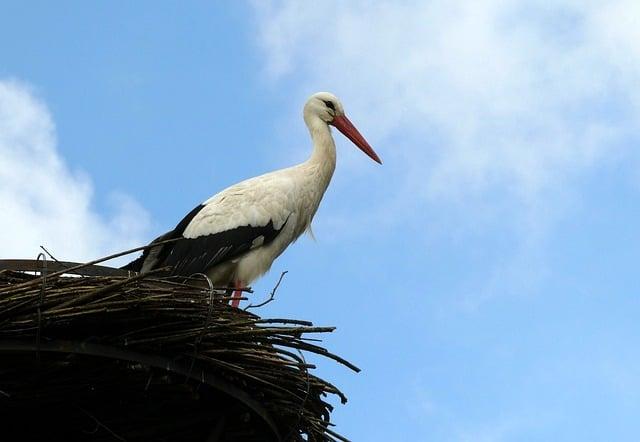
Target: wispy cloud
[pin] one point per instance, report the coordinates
(471, 96)
(42, 201)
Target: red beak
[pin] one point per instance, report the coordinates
(345, 126)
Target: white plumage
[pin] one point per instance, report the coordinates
(235, 235)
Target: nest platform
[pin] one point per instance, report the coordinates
(92, 353)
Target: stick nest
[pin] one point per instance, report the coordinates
(154, 358)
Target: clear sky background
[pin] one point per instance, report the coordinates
(485, 277)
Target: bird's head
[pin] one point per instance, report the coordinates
(328, 108)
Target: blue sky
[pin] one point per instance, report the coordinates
(485, 277)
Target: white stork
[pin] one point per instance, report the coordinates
(235, 235)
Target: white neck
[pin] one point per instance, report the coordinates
(316, 171)
(324, 148)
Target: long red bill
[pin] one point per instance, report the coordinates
(345, 126)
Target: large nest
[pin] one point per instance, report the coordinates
(152, 358)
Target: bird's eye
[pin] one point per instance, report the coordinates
(330, 105)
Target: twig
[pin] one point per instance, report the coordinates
(336, 435)
(107, 289)
(62, 264)
(43, 274)
(271, 295)
(295, 428)
(80, 266)
(50, 255)
(206, 324)
(100, 424)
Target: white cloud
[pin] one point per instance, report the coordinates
(470, 96)
(42, 201)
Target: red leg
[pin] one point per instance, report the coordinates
(237, 294)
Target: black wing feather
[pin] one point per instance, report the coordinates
(195, 255)
(159, 254)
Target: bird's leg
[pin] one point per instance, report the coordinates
(237, 294)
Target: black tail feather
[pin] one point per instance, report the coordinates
(135, 265)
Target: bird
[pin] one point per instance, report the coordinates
(235, 236)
